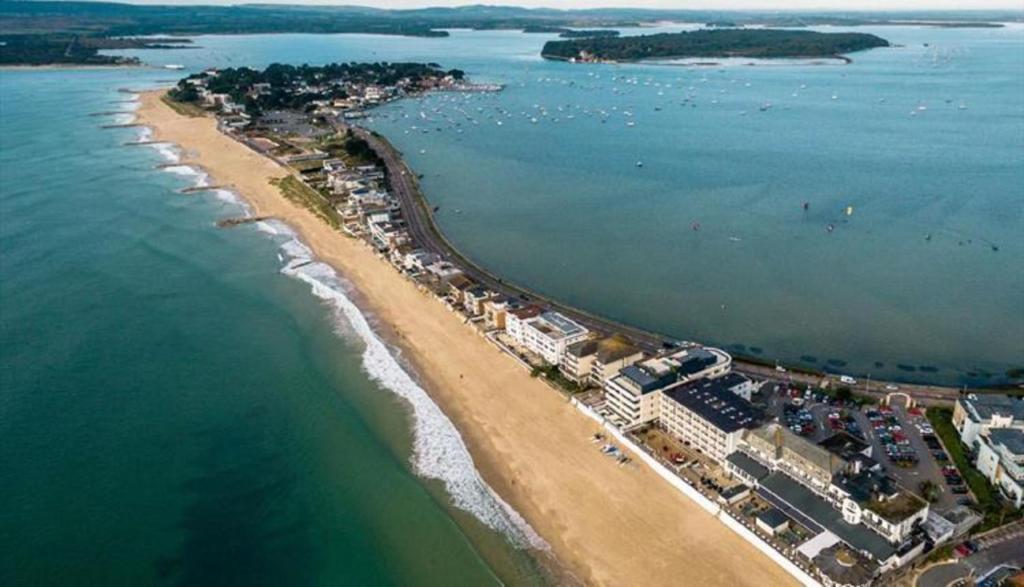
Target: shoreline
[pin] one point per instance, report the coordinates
(607, 524)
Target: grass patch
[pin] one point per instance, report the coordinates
(552, 374)
(995, 512)
(183, 108)
(296, 191)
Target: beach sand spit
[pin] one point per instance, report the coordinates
(608, 525)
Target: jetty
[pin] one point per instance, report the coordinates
(203, 188)
(230, 222)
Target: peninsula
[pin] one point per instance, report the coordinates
(665, 439)
(757, 43)
(531, 445)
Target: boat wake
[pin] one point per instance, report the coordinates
(438, 449)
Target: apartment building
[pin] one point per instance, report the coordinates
(547, 334)
(591, 361)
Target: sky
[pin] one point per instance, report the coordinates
(844, 5)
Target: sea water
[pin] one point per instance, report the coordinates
(175, 405)
(906, 264)
(182, 403)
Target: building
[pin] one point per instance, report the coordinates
(833, 489)
(706, 415)
(739, 384)
(992, 426)
(1001, 459)
(548, 335)
(516, 317)
(457, 288)
(474, 298)
(975, 415)
(772, 521)
(587, 361)
(632, 393)
(495, 311)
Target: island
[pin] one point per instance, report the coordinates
(73, 49)
(758, 43)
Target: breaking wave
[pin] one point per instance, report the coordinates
(438, 449)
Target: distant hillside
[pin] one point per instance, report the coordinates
(766, 43)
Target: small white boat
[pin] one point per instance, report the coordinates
(174, 66)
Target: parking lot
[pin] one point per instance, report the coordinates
(894, 434)
(900, 431)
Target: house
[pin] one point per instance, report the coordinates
(589, 361)
(516, 317)
(495, 311)
(772, 521)
(1001, 460)
(457, 288)
(548, 334)
(474, 299)
(443, 271)
(975, 415)
(418, 260)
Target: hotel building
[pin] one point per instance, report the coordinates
(633, 394)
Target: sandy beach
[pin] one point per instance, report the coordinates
(609, 525)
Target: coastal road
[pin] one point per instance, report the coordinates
(424, 232)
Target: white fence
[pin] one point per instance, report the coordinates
(700, 499)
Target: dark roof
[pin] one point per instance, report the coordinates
(696, 361)
(844, 445)
(733, 491)
(583, 348)
(1012, 438)
(748, 465)
(733, 379)
(985, 406)
(714, 402)
(785, 493)
(864, 486)
(644, 380)
(773, 518)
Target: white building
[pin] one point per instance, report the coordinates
(631, 394)
(706, 415)
(548, 335)
(1001, 459)
(975, 415)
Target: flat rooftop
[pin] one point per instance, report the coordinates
(983, 407)
(713, 401)
(786, 494)
(1011, 438)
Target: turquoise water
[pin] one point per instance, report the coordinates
(174, 409)
(924, 140)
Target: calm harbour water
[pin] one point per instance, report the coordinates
(925, 141)
(174, 409)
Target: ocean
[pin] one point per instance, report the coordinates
(187, 404)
